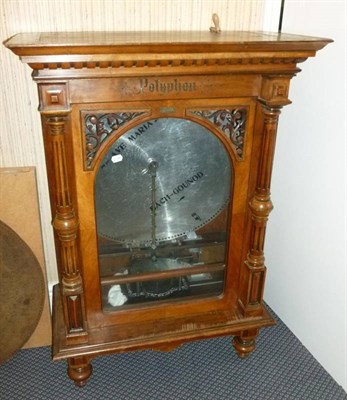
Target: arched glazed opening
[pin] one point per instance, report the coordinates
(162, 199)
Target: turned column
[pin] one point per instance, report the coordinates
(274, 95)
(55, 112)
(260, 207)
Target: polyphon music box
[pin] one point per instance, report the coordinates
(159, 150)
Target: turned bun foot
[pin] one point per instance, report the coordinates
(243, 347)
(79, 371)
(244, 344)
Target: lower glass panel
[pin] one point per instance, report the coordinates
(178, 287)
(176, 269)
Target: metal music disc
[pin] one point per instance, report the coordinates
(192, 182)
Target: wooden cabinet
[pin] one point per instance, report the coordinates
(159, 151)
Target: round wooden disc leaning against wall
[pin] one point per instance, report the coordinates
(21, 292)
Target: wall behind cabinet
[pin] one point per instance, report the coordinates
(21, 140)
(306, 235)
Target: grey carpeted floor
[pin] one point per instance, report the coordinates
(280, 368)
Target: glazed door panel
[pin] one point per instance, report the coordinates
(204, 149)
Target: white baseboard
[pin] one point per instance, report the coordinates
(50, 294)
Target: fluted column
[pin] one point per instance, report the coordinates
(260, 207)
(274, 96)
(65, 224)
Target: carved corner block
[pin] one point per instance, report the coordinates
(275, 91)
(53, 97)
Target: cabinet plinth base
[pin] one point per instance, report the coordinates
(118, 339)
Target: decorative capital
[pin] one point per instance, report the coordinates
(56, 125)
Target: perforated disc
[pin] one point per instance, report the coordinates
(192, 183)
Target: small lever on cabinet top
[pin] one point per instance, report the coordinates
(216, 27)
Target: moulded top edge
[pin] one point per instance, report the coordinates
(196, 41)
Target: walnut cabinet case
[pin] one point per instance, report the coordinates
(159, 151)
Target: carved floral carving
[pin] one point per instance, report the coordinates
(98, 127)
(229, 121)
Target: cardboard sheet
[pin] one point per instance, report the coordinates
(19, 209)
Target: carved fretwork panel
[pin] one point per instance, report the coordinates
(98, 127)
(231, 122)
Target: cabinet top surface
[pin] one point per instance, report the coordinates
(150, 42)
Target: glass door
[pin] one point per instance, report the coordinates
(162, 195)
